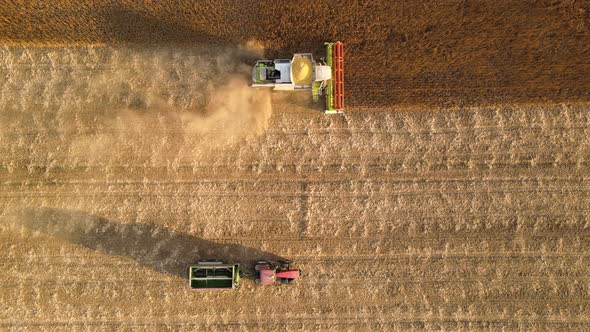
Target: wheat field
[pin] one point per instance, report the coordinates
(124, 160)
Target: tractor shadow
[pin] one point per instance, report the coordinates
(150, 245)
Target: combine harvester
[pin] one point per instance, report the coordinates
(302, 72)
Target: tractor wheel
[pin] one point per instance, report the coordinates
(285, 264)
(292, 282)
(284, 281)
(257, 281)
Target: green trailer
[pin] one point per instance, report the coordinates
(209, 275)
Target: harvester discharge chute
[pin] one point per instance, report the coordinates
(302, 72)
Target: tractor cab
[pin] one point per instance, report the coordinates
(268, 273)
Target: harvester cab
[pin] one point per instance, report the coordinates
(268, 273)
(303, 72)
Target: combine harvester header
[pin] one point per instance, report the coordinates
(302, 72)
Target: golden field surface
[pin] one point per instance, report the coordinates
(452, 194)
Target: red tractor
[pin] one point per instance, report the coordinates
(268, 273)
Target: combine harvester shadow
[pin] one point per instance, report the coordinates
(128, 26)
(150, 245)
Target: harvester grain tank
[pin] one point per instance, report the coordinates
(303, 72)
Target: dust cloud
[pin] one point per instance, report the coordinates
(235, 110)
(108, 105)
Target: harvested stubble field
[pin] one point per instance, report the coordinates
(452, 194)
